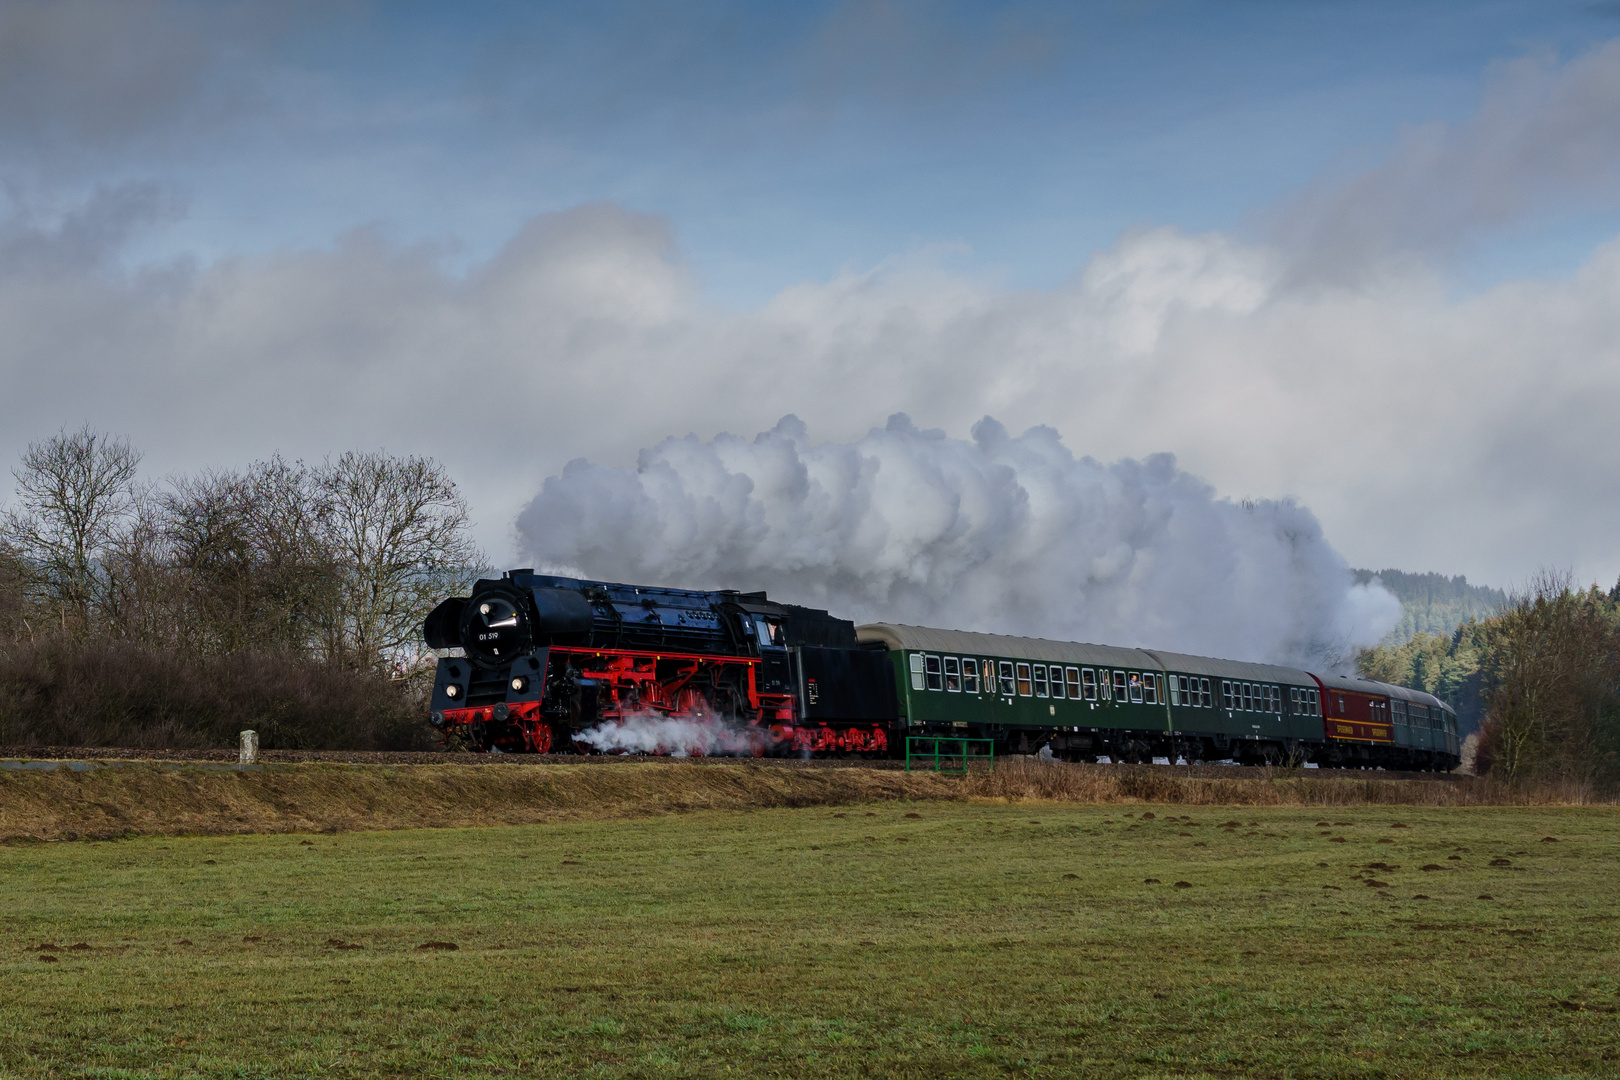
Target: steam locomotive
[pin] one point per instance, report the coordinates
(533, 663)
(537, 663)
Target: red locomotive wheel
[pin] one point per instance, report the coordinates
(538, 737)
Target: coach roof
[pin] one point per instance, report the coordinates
(1230, 669)
(962, 642)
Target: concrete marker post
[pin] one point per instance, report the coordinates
(249, 753)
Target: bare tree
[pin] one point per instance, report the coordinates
(1552, 674)
(75, 492)
(255, 566)
(396, 533)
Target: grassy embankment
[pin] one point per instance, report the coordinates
(893, 939)
(147, 798)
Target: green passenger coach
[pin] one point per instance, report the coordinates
(1087, 701)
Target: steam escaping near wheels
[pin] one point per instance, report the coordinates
(680, 735)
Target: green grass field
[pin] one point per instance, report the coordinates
(919, 940)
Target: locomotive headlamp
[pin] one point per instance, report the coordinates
(520, 684)
(452, 691)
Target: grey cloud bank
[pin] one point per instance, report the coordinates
(1332, 360)
(1425, 430)
(1007, 534)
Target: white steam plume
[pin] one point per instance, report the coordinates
(1004, 534)
(678, 735)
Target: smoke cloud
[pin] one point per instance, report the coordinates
(1006, 534)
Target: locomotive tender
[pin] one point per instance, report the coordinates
(538, 663)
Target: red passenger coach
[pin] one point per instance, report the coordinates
(1354, 711)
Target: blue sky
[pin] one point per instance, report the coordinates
(228, 230)
(786, 141)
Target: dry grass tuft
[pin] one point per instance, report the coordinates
(1023, 778)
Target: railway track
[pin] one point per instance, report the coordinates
(396, 757)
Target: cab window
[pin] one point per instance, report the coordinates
(1025, 688)
(970, 675)
(769, 633)
(953, 675)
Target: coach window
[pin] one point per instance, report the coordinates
(989, 676)
(916, 671)
(1397, 712)
(1057, 681)
(970, 675)
(1275, 694)
(953, 675)
(1136, 688)
(1150, 689)
(1040, 680)
(1024, 688)
(1121, 692)
(1074, 683)
(1226, 694)
(1088, 682)
(1006, 678)
(931, 667)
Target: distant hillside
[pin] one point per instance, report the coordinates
(1434, 603)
